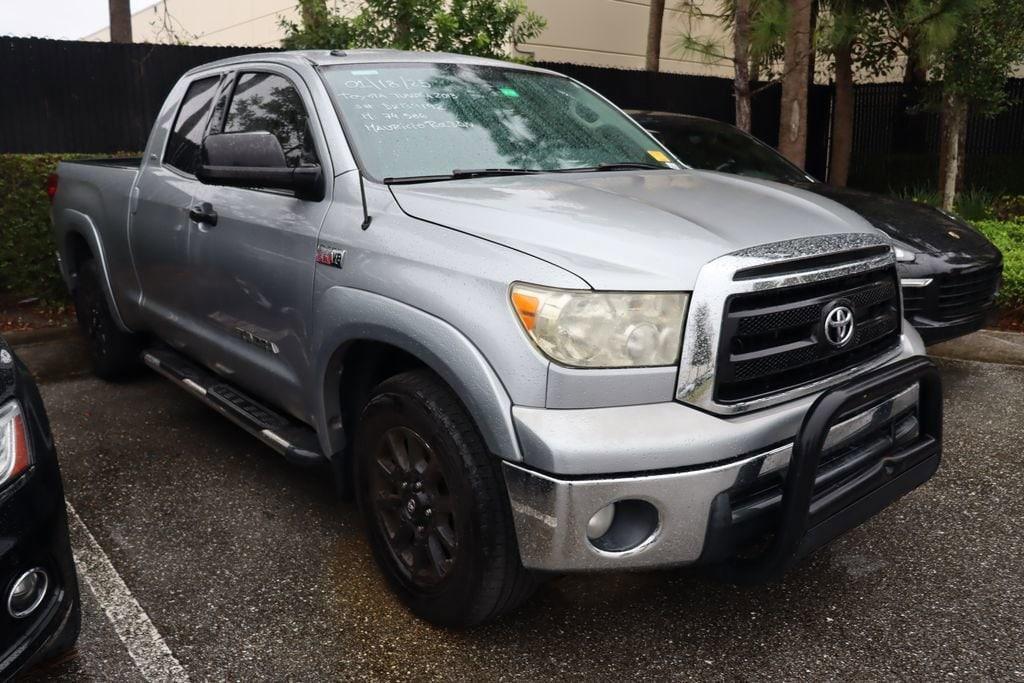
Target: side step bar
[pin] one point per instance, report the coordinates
(296, 442)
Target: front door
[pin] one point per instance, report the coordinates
(254, 266)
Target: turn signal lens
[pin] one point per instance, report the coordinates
(587, 329)
(14, 452)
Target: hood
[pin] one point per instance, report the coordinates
(634, 230)
(920, 226)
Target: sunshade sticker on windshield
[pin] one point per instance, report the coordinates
(658, 156)
(509, 92)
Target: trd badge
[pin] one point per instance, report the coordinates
(330, 257)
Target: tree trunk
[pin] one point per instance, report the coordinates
(741, 64)
(403, 25)
(842, 118)
(795, 85)
(954, 117)
(312, 11)
(654, 23)
(914, 73)
(120, 21)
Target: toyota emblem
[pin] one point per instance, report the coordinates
(839, 325)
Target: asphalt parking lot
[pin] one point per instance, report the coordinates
(207, 552)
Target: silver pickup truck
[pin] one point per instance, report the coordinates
(504, 318)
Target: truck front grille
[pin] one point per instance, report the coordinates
(774, 340)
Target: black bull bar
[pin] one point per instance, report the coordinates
(796, 534)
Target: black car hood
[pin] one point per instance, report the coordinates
(920, 226)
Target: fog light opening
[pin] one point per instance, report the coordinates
(622, 525)
(27, 593)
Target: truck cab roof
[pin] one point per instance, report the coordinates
(361, 56)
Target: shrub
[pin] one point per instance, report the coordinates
(27, 261)
(1009, 237)
(1008, 208)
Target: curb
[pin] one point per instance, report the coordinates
(985, 346)
(17, 338)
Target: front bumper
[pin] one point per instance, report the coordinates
(32, 537)
(34, 534)
(943, 301)
(705, 514)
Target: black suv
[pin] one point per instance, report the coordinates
(949, 272)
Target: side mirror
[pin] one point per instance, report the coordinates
(256, 160)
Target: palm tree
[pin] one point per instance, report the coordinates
(654, 23)
(796, 83)
(120, 21)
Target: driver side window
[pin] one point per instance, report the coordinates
(268, 102)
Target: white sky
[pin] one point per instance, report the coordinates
(57, 18)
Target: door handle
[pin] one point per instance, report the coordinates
(203, 213)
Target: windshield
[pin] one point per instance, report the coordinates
(718, 147)
(414, 120)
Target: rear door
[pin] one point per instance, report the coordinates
(160, 226)
(252, 272)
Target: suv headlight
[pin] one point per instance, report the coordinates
(904, 254)
(589, 329)
(14, 453)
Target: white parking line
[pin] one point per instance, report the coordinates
(144, 643)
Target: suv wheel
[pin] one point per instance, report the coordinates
(434, 504)
(114, 352)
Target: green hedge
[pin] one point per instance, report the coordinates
(1009, 237)
(27, 262)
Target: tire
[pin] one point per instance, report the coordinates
(114, 352)
(434, 504)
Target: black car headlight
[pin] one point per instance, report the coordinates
(15, 455)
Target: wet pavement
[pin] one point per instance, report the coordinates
(250, 569)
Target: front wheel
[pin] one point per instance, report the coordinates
(434, 504)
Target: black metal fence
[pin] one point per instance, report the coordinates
(73, 96)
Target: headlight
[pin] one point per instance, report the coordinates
(14, 455)
(602, 329)
(904, 254)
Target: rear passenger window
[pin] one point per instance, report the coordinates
(187, 133)
(268, 102)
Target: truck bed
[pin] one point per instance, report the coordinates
(132, 163)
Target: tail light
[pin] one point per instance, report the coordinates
(14, 451)
(51, 186)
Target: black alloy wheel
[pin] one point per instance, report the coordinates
(413, 507)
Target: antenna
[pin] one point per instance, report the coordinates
(362, 193)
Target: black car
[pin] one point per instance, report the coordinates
(950, 272)
(40, 612)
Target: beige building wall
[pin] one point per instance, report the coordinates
(597, 32)
(614, 33)
(210, 22)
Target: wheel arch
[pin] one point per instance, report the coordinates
(366, 338)
(79, 241)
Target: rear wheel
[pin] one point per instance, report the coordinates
(114, 352)
(435, 506)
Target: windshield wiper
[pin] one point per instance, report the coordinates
(617, 166)
(459, 174)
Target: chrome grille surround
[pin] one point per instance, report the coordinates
(717, 281)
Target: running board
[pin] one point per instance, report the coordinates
(296, 442)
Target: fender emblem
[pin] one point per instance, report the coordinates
(330, 257)
(259, 342)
